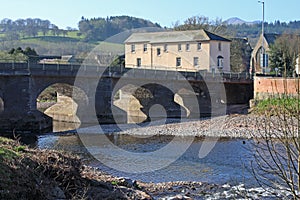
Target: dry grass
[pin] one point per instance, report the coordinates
(47, 174)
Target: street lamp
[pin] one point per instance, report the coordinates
(262, 33)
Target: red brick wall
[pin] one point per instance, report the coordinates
(268, 86)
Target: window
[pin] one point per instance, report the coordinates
(264, 58)
(145, 47)
(179, 47)
(220, 62)
(178, 61)
(132, 48)
(138, 62)
(199, 46)
(158, 52)
(165, 48)
(187, 47)
(196, 61)
(220, 46)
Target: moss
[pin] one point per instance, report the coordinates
(114, 183)
(20, 148)
(7, 153)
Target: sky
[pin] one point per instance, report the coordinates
(67, 13)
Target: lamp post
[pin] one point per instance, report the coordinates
(262, 33)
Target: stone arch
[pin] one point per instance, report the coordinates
(204, 100)
(60, 102)
(158, 94)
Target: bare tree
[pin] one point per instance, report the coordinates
(284, 52)
(276, 143)
(202, 22)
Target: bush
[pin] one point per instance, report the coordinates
(286, 104)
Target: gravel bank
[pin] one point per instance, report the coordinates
(233, 126)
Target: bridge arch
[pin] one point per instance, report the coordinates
(60, 102)
(146, 102)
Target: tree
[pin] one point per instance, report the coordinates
(283, 53)
(201, 22)
(118, 61)
(55, 30)
(19, 50)
(193, 23)
(45, 26)
(29, 54)
(12, 51)
(31, 28)
(276, 146)
(101, 28)
(240, 55)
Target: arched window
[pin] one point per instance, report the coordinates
(220, 61)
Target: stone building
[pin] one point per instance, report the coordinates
(257, 60)
(178, 50)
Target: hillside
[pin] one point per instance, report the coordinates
(47, 39)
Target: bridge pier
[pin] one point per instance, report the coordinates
(20, 114)
(160, 103)
(31, 122)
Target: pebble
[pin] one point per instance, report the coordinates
(234, 126)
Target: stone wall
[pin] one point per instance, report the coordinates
(265, 87)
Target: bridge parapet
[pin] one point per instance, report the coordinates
(12, 68)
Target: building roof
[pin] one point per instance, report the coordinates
(271, 37)
(174, 36)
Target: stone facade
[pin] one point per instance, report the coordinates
(178, 50)
(256, 57)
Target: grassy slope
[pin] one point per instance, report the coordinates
(70, 44)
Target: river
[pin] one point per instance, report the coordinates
(227, 163)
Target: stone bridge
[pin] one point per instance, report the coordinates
(21, 84)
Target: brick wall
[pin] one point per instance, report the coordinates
(269, 86)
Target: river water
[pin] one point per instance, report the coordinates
(228, 162)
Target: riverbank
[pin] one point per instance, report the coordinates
(27, 173)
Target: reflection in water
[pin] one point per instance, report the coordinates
(64, 126)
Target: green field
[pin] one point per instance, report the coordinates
(71, 34)
(61, 45)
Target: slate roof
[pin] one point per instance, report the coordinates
(174, 36)
(271, 37)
